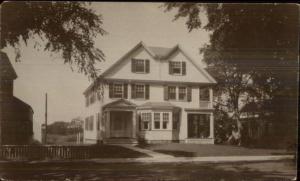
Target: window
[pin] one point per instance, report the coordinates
(146, 118)
(156, 120)
(182, 93)
(118, 90)
(198, 125)
(165, 120)
(172, 92)
(177, 68)
(140, 91)
(89, 123)
(204, 94)
(140, 66)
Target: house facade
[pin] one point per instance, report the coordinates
(16, 126)
(151, 94)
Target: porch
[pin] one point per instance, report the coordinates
(120, 122)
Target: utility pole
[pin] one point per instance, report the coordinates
(46, 107)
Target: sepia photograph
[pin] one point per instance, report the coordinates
(149, 91)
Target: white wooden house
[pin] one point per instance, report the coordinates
(151, 94)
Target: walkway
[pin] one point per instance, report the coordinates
(153, 154)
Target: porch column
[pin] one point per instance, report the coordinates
(211, 126)
(134, 127)
(210, 97)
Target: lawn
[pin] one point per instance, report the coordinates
(201, 150)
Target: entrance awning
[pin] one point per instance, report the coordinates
(120, 104)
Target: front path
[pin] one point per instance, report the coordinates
(153, 154)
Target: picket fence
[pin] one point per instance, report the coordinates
(53, 152)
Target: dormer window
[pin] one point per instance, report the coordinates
(177, 68)
(140, 65)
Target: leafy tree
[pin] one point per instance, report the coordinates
(253, 51)
(68, 28)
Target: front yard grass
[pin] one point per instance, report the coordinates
(201, 150)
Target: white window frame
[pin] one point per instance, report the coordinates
(161, 120)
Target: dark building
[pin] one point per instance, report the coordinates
(15, 115)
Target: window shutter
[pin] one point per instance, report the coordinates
(132, 91)
(189, 94)
(125, 92)
(133, 65)
(147, 93)
(170, 68)
(183, 68)
(166, 93)
(147, 66)
(110, 90)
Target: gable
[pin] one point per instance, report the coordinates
(159, 58)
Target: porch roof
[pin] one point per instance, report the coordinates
(158, 105)
(120, 103)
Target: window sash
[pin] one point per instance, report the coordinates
(176, 67)
(182, 95)
(156, 120)
(139, 91)
(117, 90)
(172, 92)
(140, 65)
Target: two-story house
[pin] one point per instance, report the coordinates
(151, 94)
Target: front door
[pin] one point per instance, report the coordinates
(198, 125)
(120, 124)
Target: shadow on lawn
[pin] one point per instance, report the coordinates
(145, 172)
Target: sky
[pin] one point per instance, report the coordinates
(127, 24)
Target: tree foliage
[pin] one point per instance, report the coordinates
(253, 50)
(68, 28)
